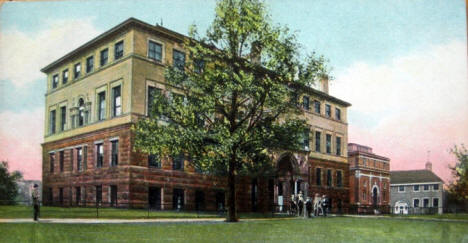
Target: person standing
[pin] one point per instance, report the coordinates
(35, 198)
(324, 205)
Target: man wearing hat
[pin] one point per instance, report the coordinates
(35, 198)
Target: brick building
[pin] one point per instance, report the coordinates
(369, 180)
(96, 92)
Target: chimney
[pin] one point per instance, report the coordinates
(324, 83)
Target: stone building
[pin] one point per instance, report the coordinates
(416, 191)
(369, 179)
(97, 91)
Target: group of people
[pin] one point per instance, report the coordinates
(318, 206)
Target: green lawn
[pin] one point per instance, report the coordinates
(440, 216)
(336, 229)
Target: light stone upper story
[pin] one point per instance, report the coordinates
(106, 82)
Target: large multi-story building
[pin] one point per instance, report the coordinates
(96, 92)
(369, 180)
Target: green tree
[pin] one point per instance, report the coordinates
(459, 188)
(8, 186)
(232, 103)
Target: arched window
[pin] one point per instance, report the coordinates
(81, 112)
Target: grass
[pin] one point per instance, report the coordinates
(336, 229)
(463, 216)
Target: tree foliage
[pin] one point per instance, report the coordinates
(230, 104)
(459, 188)
(8, 186)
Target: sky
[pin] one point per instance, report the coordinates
(401, 64)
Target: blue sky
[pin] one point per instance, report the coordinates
(365, 41)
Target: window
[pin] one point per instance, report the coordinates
(81, 112)
(115, 153)
(178, 162)
(61, 159)
(364, 195)
(55, 81)
(117, 101)
(178, 199)
(178, 59)
(102, 106)
(401, 189)
(435, 202)
(153, 161)
(152, 92)
(89, 64)
(113, 195)
(328, 110)
(199, 66)
(98, 194)
(329, 177)
(426, 187)
(52, 162)
(339, 178)
(77, 195)
(155, 51)
(338, 146)
(305, 102)
(317, 106)
(318, 176)
(51, 196)
(71, 159)
(61, 195)
(104, 56)
(305, 141)
(328, 140)
(426, 202)
(118, 50)
(77, 70)
(52, 122)
(416, 203)
(65, 76)
(79, 159)
(435, 187)
(63, 118)
(416, 188)
(317, 141)
(338, 114)
(99, 155)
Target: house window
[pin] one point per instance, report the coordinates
(77, 70)
(435, 187)
(81, 113)
(339, 179)
(98, 194)
(401, 188)
(426, 187)
(305, 102)
(102, 106)
(115, 153)
(99, 155)
(65, 76)
(61, 159)
(416, 203)
(71, 159)
(416, 188)
(52, 122)
(317, 106)
(338, 114)
(178, 59)
(104, 56)
(426, 202)
(113, 195)
(305, 141)
(52, 162)
(79, 159)
(435, 202)
(117, 101)
(89, 64)
(152, 92)
(338, 146)
(329, 177)
(317, 141)
(155, 51)
(318, 176)
(61, 195)
(77, 195)
(154, 161)
(63, 118)
(328, 110)
(55, 81)
(178, 162)
(118, 50)
(328, 140)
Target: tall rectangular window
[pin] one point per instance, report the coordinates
(89, 64)
(328, 141)
(79, 159)
(117, 101)
(99, 155)
(318, 176)
(305, 141)
(115, 153)
(52, 120)
(178, 162)
(71, 159)
(416, 203)
(118, 50)
(155, 51)
(102, 106)
(435, 202)
(317, 106)
(305, 102)
(77, 70)
(317, 141)
(52, 162)
(328, 110)
(61, 160)
(338, 146)
(178, 59)
(61, 195)
(152, 92)
(113, 195)
(426, 202)
(63, 117)
(338, 114)
(329, 177)
(339, 178)
(55, 81)
(104, 56)
(98, 194)
(77, 195)
(154, 161)
(65, 76)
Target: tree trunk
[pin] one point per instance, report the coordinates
(232, 209)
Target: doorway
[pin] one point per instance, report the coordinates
(154, 198)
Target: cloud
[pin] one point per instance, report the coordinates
(21, 135)
(417, 102)
(23, 54)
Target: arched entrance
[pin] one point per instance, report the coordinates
(288, 181)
